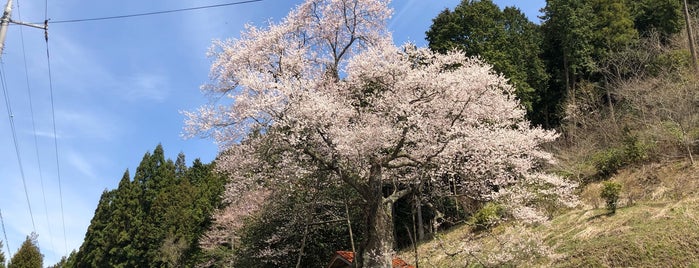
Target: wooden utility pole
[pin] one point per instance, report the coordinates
(690, 37)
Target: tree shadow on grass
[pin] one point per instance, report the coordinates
(606, 214)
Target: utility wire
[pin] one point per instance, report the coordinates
(154, 13)
(55, 134)
(55, 143)
(7, 242)
(36, 139)
(14, 139)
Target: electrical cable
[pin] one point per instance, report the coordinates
(55, 133)
(55, 142)
(36, 139)
(14, 139)
(155, 12)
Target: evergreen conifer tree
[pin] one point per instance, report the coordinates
(154, 220)
(94, 251)
(180, 165)
(2, 256)
(125, 222)
(613, 27)
(145, 193)
(28, 255)
(663, 16)
(60, 264)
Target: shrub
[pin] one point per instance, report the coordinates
(488, 216)
(634, 149)
(670, 62)
(610, 160)
(610, 192)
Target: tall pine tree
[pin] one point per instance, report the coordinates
(28, 255)
(94, 251)
(125, 222)
(567, 30)
(180, 166)
(155, 219)
(613, 27)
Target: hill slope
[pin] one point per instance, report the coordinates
(656, 225)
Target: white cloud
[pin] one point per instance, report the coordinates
(44, 134)
(87, 124)
(147, 87)
(88, 76)
(81, 164)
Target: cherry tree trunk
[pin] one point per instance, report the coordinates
(420, 223)
(379, 247)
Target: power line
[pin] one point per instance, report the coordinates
(14, 139)
(36, 139)
(55, 143)
(155, 12)
(55, 134)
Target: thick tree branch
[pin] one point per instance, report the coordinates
(397, 149)
(352, 181)
(397, 195)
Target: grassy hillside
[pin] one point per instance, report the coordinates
(656, 225)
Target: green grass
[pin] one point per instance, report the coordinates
(653, 234)
(656, 225)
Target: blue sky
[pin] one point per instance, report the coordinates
(118, 87)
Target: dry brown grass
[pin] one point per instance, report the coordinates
(656, 225)
(670, 180)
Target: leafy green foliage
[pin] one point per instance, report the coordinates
(504, 38)
(673, 61)
(153, 220)
(579, 38)
(575, 45)
(613, 27)
(609, 161)
(568, 32)
(612, 159)
(610, 192)
(663, 16)
(28, 255)
(487, 217)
